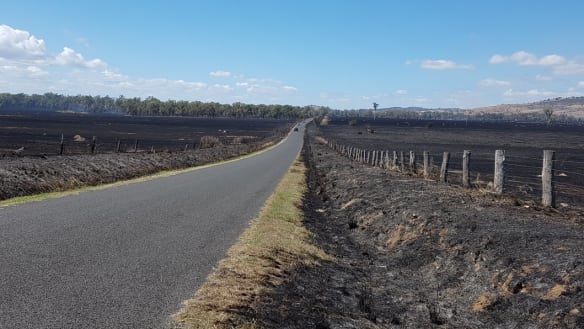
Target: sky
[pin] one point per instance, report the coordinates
(343, 54)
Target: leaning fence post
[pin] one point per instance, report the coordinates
(465, 169)
(136, 146)
(118, 146)
(426, 164)
(547, 179)
(93, 142)
(499, 179)
(402, 163)
(444, 167)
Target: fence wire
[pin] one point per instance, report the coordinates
(522, 171)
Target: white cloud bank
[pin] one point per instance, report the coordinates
(442, 64)
(27, 67)
(220, 74)
(558, 65)
(20, 44)
(493, 83)
(527, 59)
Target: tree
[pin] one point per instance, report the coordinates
(375, 105)
(548, 116)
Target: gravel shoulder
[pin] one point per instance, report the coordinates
(410, 253)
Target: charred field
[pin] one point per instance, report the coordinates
(39, 133)
(413, 253)
(523, 142)
(30, 145)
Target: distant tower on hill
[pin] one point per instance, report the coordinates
(375, 105)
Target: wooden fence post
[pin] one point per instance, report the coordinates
(394, 163)
(426, 164)
(499, 179)
(62, 145)
(465, 169)
(118, 146)
(93, 142)
(136, 146)
(402, 163)
(412, 161)
(444, 167)
(547, 179)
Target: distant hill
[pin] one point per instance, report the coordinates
(416, 109)
(571, 106)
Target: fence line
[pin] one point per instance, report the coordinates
(63, 145)
(542, 179)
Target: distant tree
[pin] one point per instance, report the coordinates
(375, 105)
(548, 116)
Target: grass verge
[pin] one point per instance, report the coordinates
(274, 245)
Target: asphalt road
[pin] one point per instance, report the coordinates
(127, 256)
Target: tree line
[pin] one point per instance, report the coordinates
(152, 106)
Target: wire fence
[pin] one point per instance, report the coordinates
(559, 181)
(72, 145)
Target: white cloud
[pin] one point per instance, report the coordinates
(498, 59)
(220, 74)
(20, 44)
(524, 58)
(70, 57)
(569, 68)
(541, 77)
(441, 64)
(581, 84)
(401, 92)
(493, 83)
(220, 88)
(528, 93)
(15, 72)
(551, 60)
(27, 67)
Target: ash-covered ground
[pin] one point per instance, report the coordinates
(411, 253)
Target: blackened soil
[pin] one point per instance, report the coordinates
(22, 176)
(411, 253)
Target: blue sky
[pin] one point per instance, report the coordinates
(342, 54)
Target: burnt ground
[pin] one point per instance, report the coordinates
(30, 142)
(411, 253)
(524, 144)
(22, 176)
(39, 133)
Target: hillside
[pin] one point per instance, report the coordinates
(572, 106)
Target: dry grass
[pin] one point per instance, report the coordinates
(274, 245)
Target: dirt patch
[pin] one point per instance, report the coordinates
(411, 253)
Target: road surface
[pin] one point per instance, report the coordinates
(127, 256)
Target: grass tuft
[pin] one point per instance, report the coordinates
(273, 246)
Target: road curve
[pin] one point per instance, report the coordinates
(127, 256)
